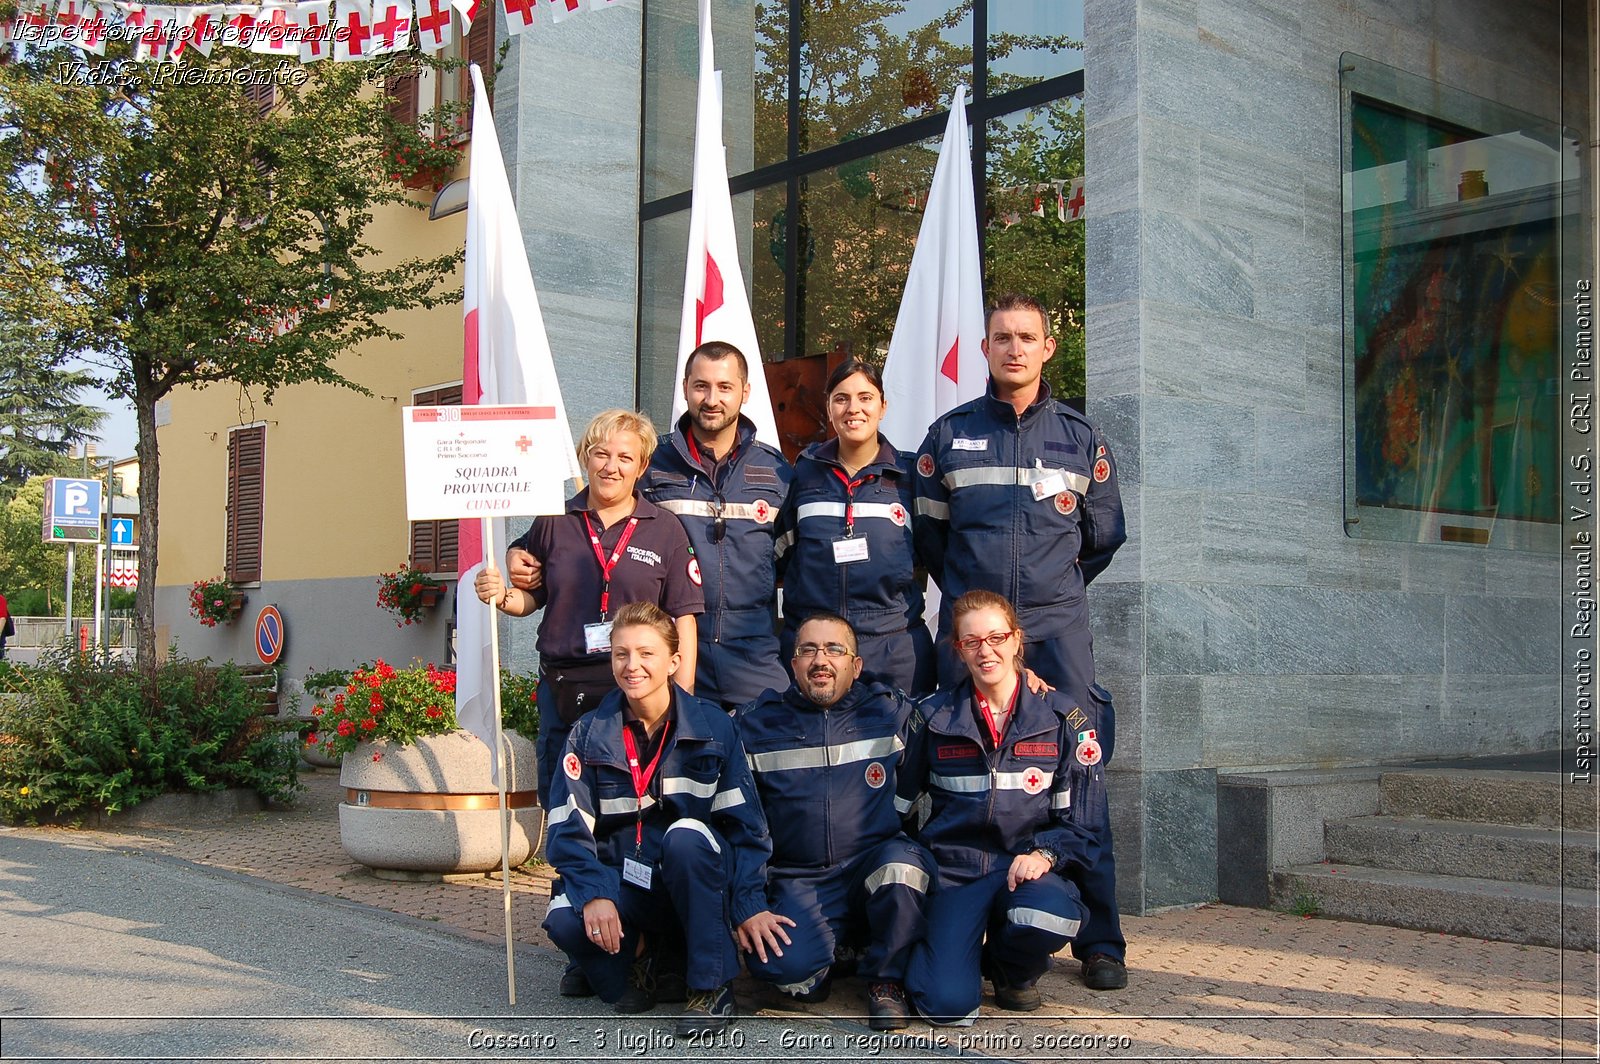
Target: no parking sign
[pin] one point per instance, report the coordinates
(269, 635)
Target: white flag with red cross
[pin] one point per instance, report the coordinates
(519, 15)
(935, 359)
(316, 31)
(434, 28)
(277, 30)
(239, 25)
(715, 304)
(199, 33)
(506, 360)
(1071, 209)
(560, 10)
(352, 20)
(391, 27)
(92, 29)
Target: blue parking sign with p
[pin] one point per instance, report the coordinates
(75, 502)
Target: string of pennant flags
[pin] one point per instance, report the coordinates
(340, 30)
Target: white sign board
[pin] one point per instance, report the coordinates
(483, 461)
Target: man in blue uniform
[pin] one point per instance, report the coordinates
(824, 754)
(727, 488)
(1016, 493)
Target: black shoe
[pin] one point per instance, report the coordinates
(574, 983)
(641, 993)
(671, 987)
(1017, 998)
(886, 1007)
(709, 1011)
(1101, 971)
(845, 959)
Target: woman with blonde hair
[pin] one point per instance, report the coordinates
(611, 546)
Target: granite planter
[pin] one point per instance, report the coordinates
(432, 807)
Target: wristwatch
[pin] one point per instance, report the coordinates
(1048, 854)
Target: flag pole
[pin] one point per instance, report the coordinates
(489, 554)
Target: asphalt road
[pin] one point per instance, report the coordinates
(113, 954)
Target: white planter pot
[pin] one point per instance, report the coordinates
(431, 806)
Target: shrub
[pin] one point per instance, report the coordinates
(78, 735)
(519, 702)
(384, 703)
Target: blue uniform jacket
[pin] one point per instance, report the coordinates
(879, 595)
(739, 572)
(1024, 506)
(990, 805)
(702, 776)
(828, 775)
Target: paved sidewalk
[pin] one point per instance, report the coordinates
(1215, 981)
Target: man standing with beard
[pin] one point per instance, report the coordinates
(824, 754)
(727, 488)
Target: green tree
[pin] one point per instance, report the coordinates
(177, 233)
(41, 419)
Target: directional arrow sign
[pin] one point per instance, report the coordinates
(121, 531)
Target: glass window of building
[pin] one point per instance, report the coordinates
(833, 112)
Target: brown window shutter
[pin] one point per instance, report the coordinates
(246, 503)
(261, 95)
(479, 49)
(434, 543)
(401, 98)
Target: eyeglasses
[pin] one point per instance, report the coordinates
(831, 650)
(994, 639)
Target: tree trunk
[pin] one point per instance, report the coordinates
(144, 599)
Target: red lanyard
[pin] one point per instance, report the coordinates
(988, 717)
(607, 567)
(641, 777)
(850, 487)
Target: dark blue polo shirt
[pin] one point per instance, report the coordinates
(658, 566)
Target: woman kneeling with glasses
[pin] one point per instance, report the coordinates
(654, 826)
(1017, 788)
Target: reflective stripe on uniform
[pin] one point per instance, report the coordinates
(1011, 477)
(624, 806)
(781, 545)
(960, 784)
(685, 785)
(559, 901)
(884, 510)
(908, 875)
(1061, 800)
(939, 511)
(903, 805)
(1044, 921)
(806, 986)
(804, 757)
(696, 825)
(742, 511)
(727, 800)
(569, 807)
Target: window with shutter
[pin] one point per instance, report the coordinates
(262, 96)
(433, 543)
(400, 97)
(247, 449)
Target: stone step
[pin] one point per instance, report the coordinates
(1529, 913)
(1538, 799)
(1517, 854)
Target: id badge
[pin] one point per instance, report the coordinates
(849, 550)
(636, 872)
(1050, 486)
(597, 637)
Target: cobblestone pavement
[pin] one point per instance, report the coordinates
(1214, 981)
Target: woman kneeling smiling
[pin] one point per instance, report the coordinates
(655, 823)
(1017, 791)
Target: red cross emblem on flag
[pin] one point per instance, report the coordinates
(523, 9)
(523, 443)
(433, 27)
(762, 510)
(875, 775)
(1033, 781)
(897, 514)
(394, 27)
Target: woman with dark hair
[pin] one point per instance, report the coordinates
(658, 835)
(844, 537)
(1017, 791)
